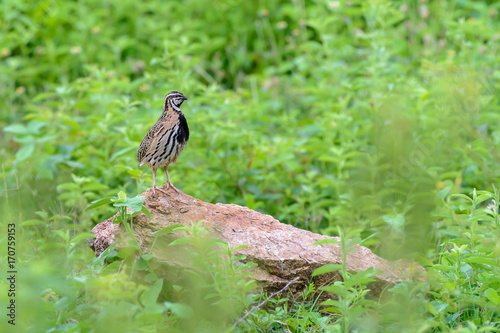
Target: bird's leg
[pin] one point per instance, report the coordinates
(154, 184)
(169, 183)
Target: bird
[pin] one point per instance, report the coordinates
(166, 139)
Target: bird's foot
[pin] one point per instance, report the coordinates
(159, 189)
(170, 185)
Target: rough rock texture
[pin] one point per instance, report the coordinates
(281, 251)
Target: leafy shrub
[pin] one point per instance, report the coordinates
(365, 115)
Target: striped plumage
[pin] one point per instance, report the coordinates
(166, 139)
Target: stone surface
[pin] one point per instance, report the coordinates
(281, 251)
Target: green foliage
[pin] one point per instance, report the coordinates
(285, 313)
(121, 292)
(378, 117)
(351, 302)
(466, 275)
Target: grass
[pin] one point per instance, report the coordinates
(378, 120)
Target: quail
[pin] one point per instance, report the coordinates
(166, 139)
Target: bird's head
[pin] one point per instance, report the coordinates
(174, 99)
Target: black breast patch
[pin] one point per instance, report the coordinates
(183, 129)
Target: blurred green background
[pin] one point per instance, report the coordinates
(368, 116)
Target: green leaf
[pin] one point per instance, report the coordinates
(326, 269)
(43, 214)
(123, 167)
(167, 230)
(117, 219)
(32, 222)
(151, 295)
(119, 200)
(438, 307)
(492, 295)
(445, 192)
(98, 263)
(29, 139)
(67, 187)
(361, 278)
(25, 152)
(332, 302)
(121, 152)
(431, 309)
(326, 241)
(482, 198)
(395, 221)
(240, 247)
(179, 241)
(83, 235)
(151, 277)
(60, 217)
(183, 228)
(167, 286)
(133, 243)
(146, 211)
(147, 257)
(62, 234)
(133, 203)
(335, 289)
(94, 187)
(126, 252)
(62, 304)
(480, 260)
(16, 128)
(141, 265)
(443, 268)
(180, 310)
(462, 196)
(450, 286)
(112, 268)
(46, 138)
(112, 256)
(34, 127)
(45, 172)
(39, 97)
(133, 214)
(98, 203)
(332, 309)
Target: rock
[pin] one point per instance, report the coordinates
(281, 251)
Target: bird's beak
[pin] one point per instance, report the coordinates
(185, 98)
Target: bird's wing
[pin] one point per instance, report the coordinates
(158, 140)
(147, 142)
(142, 148)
